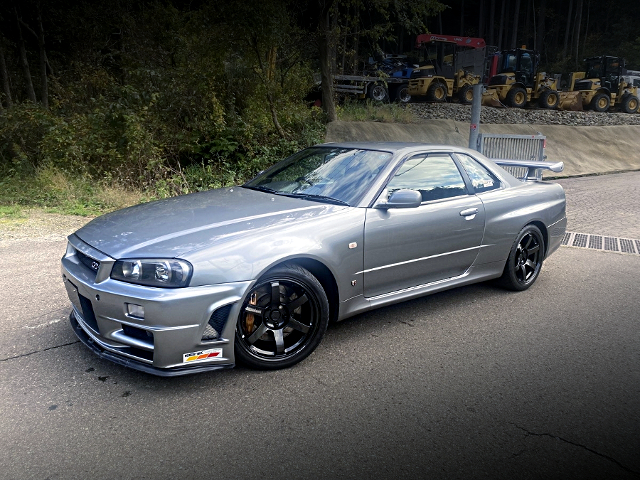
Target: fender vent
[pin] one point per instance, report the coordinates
(213, 329)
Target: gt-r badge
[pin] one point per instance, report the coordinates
(201, 355)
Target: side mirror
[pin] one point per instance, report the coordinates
(404, 198)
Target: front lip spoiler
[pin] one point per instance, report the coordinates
(134, 364)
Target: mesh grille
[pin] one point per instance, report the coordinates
(218, 320)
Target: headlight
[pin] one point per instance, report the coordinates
(169, 273)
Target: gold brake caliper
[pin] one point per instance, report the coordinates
(249, 319)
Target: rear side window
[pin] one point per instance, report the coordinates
(481, 178)
(435, 176)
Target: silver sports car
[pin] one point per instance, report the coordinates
(254, 273)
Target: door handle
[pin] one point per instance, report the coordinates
(468, 212)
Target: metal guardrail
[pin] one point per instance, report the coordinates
(514, 147)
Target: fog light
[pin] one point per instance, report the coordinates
(134, 310)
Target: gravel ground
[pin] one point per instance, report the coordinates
(36, 224)
(493, 115)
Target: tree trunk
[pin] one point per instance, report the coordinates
(43, 62)
(481, 20)
(324, 46)
(5, 78)
(31, 94)
(578, 25)
(541, 26)
(492, 21)
(568, 29)
(516, 17)
(501, 30)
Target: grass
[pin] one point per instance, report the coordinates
(369, 111)
(55, 191)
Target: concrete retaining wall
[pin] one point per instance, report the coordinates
(584, 150)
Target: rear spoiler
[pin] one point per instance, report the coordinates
(532, 166)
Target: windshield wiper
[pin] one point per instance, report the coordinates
(318, 198)
(260, 188)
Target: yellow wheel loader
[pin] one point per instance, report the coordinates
(450, 68)
(603, 85)
(515, 81)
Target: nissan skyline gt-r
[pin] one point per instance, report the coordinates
(255, 273)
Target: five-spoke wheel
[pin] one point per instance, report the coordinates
(525, 259)
(283, 319)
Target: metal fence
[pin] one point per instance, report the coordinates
(513, 147)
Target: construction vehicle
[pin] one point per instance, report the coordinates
(516, 81)
(603, 84)
(451, 66)
(384, 79)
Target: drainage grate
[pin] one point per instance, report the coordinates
(580, 240)
(602, 243)
(626, 246)
(595, 241)
(611, 244)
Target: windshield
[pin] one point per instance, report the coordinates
(324, 173)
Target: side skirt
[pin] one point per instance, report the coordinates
(475, 274)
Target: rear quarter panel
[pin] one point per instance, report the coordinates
(510, 209)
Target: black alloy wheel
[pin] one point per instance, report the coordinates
(283, 319)
(525, 259)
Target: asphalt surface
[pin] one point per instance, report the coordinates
(471, 383)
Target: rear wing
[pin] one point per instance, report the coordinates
(532, 166)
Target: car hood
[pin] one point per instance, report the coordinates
(174, 226)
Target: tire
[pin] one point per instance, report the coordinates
(465, 95)
(600, 102)
(549, 99)
(378, 93)
(283, 319)
(630, 104)
(401, 93)
(437, 93)
(525, 260)
(517, 97)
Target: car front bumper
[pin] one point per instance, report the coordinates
(184, 330)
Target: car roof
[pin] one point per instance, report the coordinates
(394, 147)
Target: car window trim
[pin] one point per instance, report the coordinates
(466, 175)
(463, 174)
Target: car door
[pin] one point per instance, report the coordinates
(408, 247)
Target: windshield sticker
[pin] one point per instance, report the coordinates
(202, 355)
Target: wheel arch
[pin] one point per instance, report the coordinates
(324, 276)
(545, 234)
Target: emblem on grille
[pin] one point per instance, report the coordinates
(95, 265)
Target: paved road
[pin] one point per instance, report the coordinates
(470, 383)
(604, 205)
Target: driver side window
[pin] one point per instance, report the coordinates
(435, 176)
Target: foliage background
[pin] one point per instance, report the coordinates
(104, 104)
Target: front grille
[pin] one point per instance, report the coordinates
(583, 85)
(91, 263)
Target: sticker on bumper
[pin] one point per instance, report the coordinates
(202, 355)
